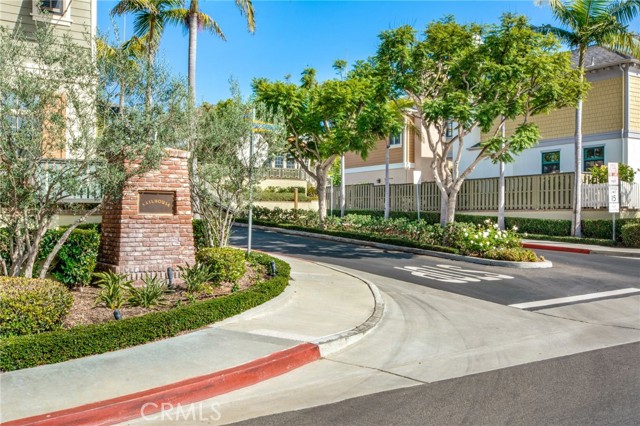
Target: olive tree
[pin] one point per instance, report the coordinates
(224, 164)
(476, 77)
(63, 137)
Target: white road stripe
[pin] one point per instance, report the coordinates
(570, 299)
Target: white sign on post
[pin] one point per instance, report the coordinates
(612, 169)
(614, 200)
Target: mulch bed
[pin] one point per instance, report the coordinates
(85, 311)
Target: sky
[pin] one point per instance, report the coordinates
(292, 35)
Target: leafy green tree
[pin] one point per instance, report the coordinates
(64, 103)
(600, 174)
(326, 120)
(586, 23)
(222, 164)
(472, 77)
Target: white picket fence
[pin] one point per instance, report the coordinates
(596, 196)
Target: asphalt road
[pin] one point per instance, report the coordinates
(571, 275)
(553, 392)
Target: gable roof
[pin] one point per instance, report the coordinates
(598, 57)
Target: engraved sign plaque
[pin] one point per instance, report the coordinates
(151, 202)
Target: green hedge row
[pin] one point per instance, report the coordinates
(591, 228)
(57, 346)
(360, 236)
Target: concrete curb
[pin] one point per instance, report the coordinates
(502, 263)
(336, 342)
(581, 250)
(195, 389)
(556, 248)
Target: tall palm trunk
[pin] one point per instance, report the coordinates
(193, 42)
(576, 229)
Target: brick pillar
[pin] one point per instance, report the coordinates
(150, 228)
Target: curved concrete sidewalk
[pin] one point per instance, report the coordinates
(322, 311)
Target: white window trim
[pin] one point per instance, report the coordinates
(64, 19)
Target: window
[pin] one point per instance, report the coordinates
(291, 163)
(278, 161)
(53, 11)
(551, 162)
(53, 6)
(395, 140)
(593, 157)
(449, 129)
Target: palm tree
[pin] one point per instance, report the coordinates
(587, 23)
(193, 20)
(123, 60)
(150, 18)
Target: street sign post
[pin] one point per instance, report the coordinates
(614, 194)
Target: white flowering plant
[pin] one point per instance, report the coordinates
(477, 239)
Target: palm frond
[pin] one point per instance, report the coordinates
(565, 36)
(625, 43)
(563, 13)
(179, 17)
(132, 6)
(246, 9)
(207, 23)
(624, 10)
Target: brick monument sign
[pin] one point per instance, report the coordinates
(150, 228)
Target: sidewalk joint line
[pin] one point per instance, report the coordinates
(379, 370)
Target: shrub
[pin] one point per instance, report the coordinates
(29, 305)
(77, 258)
(554, 227)
(199, 238)
(513, 254)
(148, 295)
(57, 346)
(225, 263)
(113, 293)
(196, 277)
(476, 240)
(631, 235)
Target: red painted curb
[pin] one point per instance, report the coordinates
(127, 407)
(556, 248)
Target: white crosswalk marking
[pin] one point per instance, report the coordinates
(571, 299)
(452, 274)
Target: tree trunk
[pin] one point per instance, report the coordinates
(451, 205)
(63, 239)
(443, 207)
(322, 194)
(576, 225)
(35, 248)
(193, 41)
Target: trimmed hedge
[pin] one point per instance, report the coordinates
(360, 236)
(631, 235)
(599, 229)
(575, 240)
(58, 346)
(31, 305)
(226, 264)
